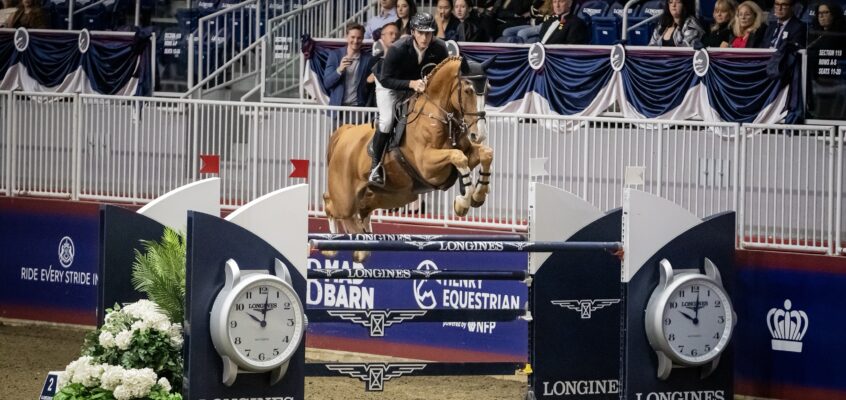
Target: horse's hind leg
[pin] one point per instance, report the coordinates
(482, 186)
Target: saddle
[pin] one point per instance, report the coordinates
(393, 148)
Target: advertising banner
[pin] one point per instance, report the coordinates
(509, 339)
(48, 261)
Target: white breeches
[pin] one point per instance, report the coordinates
(386, 101)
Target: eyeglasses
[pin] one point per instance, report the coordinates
(782, 5)
(823, 12)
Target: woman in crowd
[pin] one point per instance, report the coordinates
(678, 26)
(29, 15)
(470, 26)
(748, 27)
(720, 31)
(9, 9)
(405, 10)
(827, 29)
(447, 25)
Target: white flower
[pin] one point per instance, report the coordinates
(112, 377)
(175, 335)
(106, 339)
(123, 339)
(164, 384)
(84, 371)
(136, 383)
(140, 325)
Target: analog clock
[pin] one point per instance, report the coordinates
(257, 322)
(689, 319)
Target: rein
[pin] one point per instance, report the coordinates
(448, 118)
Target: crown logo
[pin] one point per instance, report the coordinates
(787, 328)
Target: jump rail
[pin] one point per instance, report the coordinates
(399, 274)
(415, 238)
(463, 246)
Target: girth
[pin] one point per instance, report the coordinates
(420, 185)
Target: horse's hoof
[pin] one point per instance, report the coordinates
(360, 256)
(460, 207)
(474, 203)
(329, 253)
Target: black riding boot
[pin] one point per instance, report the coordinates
(380, 140)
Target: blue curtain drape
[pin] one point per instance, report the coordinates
(110, 62)
(8, 53)
(738, 87)
(656, 82)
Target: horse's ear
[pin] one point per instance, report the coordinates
(465, 66)
(487, 63)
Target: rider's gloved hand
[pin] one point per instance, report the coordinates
(417, 85)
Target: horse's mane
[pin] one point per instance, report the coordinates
(440, 65)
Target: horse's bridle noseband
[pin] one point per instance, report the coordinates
(448, 118)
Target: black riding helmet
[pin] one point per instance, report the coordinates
(423, 22)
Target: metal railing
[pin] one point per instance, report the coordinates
(322, 18)
(786, 182)
(788, 187)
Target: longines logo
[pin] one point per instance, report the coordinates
(586, 306)
(374, 375)
(425, 299)
(688, 395)
(787, 327)
(701, 62)
(66, 251)
(84, 40)
(618, 57)
(581, 388)
(376, 320)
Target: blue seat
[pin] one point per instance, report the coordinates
(605, 29)
(96, 18)
(206, 7)
(810, 13)
(589, 9)
(641, 35)
(187, 18)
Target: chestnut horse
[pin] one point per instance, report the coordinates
(442, 144)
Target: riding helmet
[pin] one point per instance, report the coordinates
(423, 22)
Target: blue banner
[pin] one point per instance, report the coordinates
(504, 338)
(48, 263)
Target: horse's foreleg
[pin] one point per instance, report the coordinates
(438, 158)
(482, 186)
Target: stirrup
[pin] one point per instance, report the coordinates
(377, 176)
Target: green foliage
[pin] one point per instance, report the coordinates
(160, 273)
(76, 391)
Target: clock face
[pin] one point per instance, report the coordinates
(697, 321)
(264, 324)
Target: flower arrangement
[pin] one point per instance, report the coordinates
(136, 354)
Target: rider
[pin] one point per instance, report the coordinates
(401, 71)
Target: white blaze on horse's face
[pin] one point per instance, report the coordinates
(481, 132)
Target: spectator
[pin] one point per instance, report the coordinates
(470, 27)
(447, 26)
(563, 27)
(528, 33)
(748, 27)
(678, 26)
(787, 28)
(720, 32)
(406, 9)
(29, 15)
(508, 13)
(389, 35)
(827, 29)
(9, 8)
(346, 71)
(387, 14)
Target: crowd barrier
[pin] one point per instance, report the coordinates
(785, 182)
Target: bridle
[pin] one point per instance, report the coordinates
(448, 118)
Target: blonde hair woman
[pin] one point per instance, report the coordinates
(720, 31)
(748, 26)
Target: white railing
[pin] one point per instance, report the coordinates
(840, 202)
(228, 44)
(786, 182)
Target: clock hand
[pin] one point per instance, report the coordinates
(687, 316)
(696, 308)
(264, 310)
(254, 318)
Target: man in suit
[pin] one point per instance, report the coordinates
(563, 27)
(788, 29)
(401, 71)
(345, 76)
